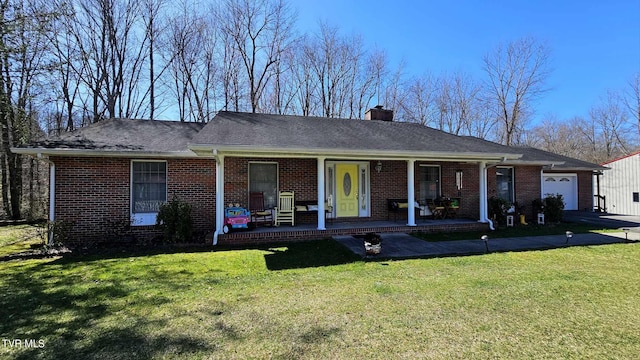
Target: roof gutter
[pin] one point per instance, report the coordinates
(39, 151)
(534, 163)
(351, 154)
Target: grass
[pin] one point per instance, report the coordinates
(516, 231)
(317, 300)
(19, 238)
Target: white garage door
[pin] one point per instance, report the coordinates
(564, 184)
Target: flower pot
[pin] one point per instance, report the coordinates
(372, 249)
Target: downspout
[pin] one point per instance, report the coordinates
(52, 196)
(219, 196)
(541, 184)
(483, 195)
(52, 199)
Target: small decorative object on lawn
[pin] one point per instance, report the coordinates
(569, 235)
(626, 233)
(372, 244)
(485, 238)
(522, 220)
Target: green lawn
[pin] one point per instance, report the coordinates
(316, 300)
(19, 238)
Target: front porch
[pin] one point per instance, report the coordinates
(303, 232)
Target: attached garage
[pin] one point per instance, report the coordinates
(563, 184)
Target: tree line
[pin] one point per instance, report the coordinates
(65, 64)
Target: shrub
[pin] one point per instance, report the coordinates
(538, 206)
(553, 205)
(497, 209)
(60, 229)
(174, 219)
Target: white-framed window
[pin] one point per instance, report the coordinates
(263, 177)
(429, 179)
(504, 184)
(148, 190)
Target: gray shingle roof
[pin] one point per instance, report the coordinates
(299, 132)
(533, 154)
(119, 135)
(287, 133)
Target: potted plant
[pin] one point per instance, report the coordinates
(372, 244)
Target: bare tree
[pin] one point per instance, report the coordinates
(392, 87)
(192, 47)
(104, 32)
(367, 70)
(260, 31)
(151, 12)
(64, 81)
(483, 122)
(420, 104)
(516, 73)
(305, 86)
(23, 64)
(332, 58)
(632, 100)
(610, 119)
(563, 137)
(279, 95)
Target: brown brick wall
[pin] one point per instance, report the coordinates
(92, 191)
(391, 183)
(526, 186)
(298, 175)
(585, 190)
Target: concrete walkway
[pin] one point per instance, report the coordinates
(399, 245)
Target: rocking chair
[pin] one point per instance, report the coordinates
(259, 215)
(286, 210)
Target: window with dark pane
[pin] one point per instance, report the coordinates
(636, 197)
(263, 177)
(504, 181)
(429, 182)
(149, 186)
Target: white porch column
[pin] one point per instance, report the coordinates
(483, 191)
(219, 198)
(321, 214)
(411, 193)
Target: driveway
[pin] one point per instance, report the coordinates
(606, 220)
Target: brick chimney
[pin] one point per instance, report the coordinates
(378, 113)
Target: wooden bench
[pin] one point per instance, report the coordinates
(400, 206)
(302, 207)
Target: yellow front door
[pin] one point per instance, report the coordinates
(347, 190)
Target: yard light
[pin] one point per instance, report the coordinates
(485, 238)
(569, 235)
(626, 233)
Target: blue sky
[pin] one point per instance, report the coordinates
(595, 45)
